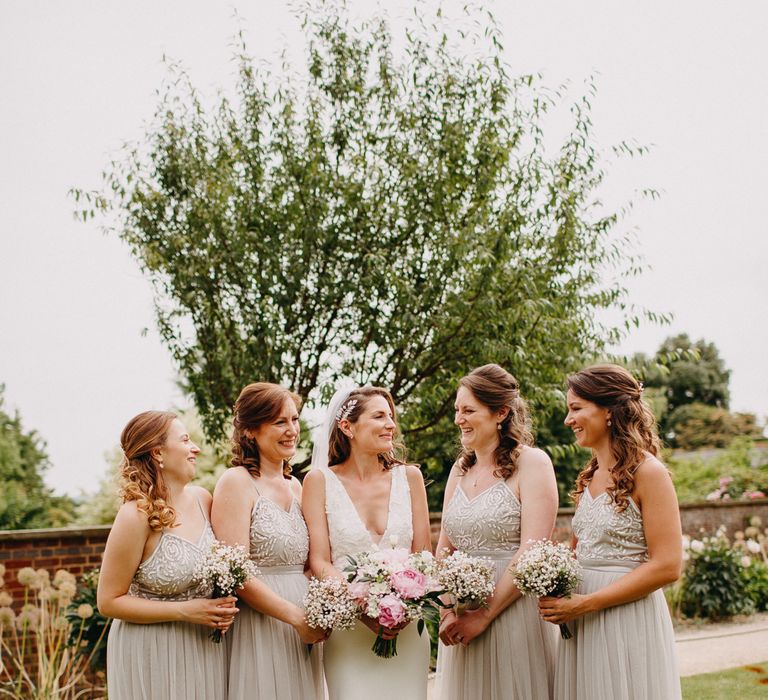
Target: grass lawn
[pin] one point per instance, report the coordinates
(741, 683)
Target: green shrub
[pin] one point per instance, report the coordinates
(715, 584)
(756, 575)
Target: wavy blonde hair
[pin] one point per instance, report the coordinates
(339, 446)
(141, 478)
(496, 388)
(258, 403)
(632, 431)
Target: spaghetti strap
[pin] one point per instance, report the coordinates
(202, 510)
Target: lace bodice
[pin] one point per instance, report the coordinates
(489, 522)
(347, 533)
(604, 533)
(169, 572)
(278, 537)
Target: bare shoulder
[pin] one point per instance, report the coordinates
(315, 479)
(234, 477)
(533, 459)
(296, 486)
(413, 472)
(130, 517)
(203, 494)
(651, 470)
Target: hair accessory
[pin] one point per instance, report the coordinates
(345, 410)
(642, 387)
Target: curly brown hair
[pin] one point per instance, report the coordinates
(632, 431)
(496, 388)
(258, 403)
(339, 446)
(141, 478)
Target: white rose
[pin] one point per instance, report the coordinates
(753, 547)
(697, 546)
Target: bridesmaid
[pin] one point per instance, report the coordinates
(628, 540)
(158, 645)
(256, 504)
(501, 492)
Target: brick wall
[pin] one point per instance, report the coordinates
(75, 549)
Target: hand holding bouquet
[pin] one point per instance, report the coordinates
(225, 569)
(393, 587)
(469, 580)
(548, 569)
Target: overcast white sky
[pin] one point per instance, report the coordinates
(78, 78)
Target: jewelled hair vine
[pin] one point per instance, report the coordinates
(345, 409)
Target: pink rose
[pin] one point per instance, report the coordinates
(359, 592)
(391, 611)
(409, 584)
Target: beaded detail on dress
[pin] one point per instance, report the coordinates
(278, 537)
(169, 572)
(488, 522)
(347, 533)
(604, 533)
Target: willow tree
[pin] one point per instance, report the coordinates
(389, 215)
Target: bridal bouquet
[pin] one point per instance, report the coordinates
(328, 604)
(548, 569)
(393, 586)
(225, 569)
(467, 579)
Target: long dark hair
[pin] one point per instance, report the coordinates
(339, 446)
(496, 388)
(632, 431)
(258, 403)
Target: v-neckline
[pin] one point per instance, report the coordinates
(357, 513)
(287, 510)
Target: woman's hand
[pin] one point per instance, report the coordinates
(218, 613)
(310, 635)
(561, 610)
(445, 623)
(463, 629)
(384, 632)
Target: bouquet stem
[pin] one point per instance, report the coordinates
(385, 648)
(565, 633)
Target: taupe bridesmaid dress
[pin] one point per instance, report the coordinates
(513, 659)
(268, 658)
(167, 660)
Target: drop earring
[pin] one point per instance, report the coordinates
(609, 424)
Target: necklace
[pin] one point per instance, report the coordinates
(478, 476)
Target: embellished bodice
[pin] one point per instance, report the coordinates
(169, 572)
(278, 537)
(348, 535)
(604, 533)
(487, 523)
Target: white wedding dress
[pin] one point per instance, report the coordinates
(352, 670)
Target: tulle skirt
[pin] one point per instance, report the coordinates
(622, 653)
(513, 659)
(267, 657)
(353, 671)
(164, 661)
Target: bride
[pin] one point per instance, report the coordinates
(360, 495)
